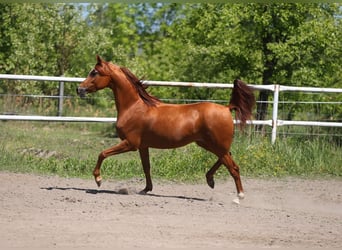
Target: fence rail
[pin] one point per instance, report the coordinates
(274, 123)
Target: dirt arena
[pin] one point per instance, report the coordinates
(51, 212)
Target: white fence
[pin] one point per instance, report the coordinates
(274, 122)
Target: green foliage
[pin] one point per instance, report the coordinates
(289, 44)
(284, 43)
(190, 42)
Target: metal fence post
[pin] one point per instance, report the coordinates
(60, 98)
(275, 113)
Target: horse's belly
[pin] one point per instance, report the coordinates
(166, 144)
(171, 135)
(170, 139)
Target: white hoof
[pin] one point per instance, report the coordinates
(236, 201)
(241, 196)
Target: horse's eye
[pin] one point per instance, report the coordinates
(93, 73)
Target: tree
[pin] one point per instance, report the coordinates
(294, 44)
(55, 41)
(295, 41)
(117, 22)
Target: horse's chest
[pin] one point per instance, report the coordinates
(128, 125)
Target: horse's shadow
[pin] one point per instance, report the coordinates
(119, 192)
(88, 191)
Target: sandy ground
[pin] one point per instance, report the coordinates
(51, 212)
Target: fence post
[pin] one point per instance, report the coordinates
(275, 113)
(60, 98)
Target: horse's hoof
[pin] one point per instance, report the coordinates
(98, 181)
(142, 192)
(145, 190)
(239, 197)
(236, 201)
(211, 182)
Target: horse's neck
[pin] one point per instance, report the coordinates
(125, 96)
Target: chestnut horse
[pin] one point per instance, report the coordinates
(145, 122)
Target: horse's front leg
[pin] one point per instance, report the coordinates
(145, 160)
(122, 147)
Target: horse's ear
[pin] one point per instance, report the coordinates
(99, 60)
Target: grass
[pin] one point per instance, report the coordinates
(71, 149)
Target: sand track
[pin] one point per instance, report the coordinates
(48, 212)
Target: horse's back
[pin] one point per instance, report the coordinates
(206, 113)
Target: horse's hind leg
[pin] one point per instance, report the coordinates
(233, 169)
(211, 172)
(145, 160)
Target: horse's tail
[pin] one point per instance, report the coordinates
(242, 101)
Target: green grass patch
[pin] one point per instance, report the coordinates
(71, 149)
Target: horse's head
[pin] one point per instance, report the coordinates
(97, 79)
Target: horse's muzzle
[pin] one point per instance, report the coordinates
(81, 91)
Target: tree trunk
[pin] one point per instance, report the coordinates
(269, 65)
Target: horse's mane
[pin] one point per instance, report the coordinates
(138, 84)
